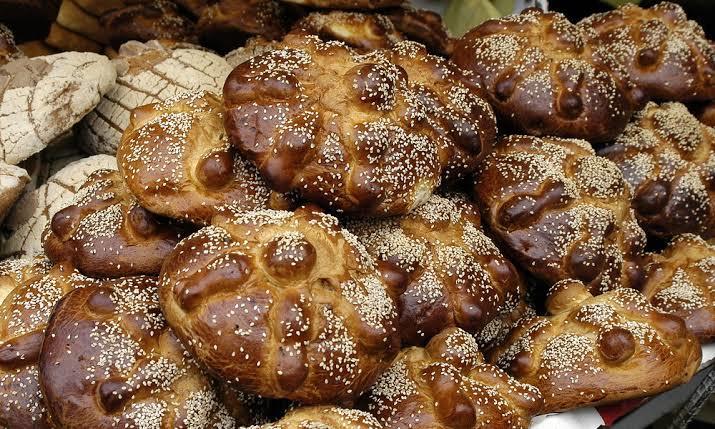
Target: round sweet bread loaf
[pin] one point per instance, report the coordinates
(324, 417)
(109, 360)
(104, 232)
(449, 272)
(362, 31)
(177, 161)
(281, 304)
(668, 160)
(448, 385)
(561, 211)
(666, 55)
(598, 350)
(29, 289)
(680, 280)
(540, 77)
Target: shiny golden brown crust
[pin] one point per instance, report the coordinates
(664, 53)
(29, 289)
(668, 159)
(423, 26)
(176, 160)
(284, 305)
(680, 280)
(448, 385)
(148, 20)
(538, 73)
(104, 232)
(225, 23)
(445, 270)
(362, 31)
(347, 4)
(109, 360)
(561, 211)
(324, 417)
(599, 350)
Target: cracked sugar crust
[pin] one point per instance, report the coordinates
(148, 73)
(668, 160)
(680, 280)
(663, 52)
(562, 211)
(540, 76)
(450, 272)
(42, 98)
(29, 290)
(30, 215)
(110, 357)
(282, 304)
(12, 183)
(449, 377)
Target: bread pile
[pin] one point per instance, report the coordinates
(351, 220)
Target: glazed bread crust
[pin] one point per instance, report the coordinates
(282, 304)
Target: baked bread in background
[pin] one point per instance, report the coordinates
(423, 26)
(123, 366)
(664, 53)
(347, 4)
(282, 304)
(561, 212)
(29, 19)
(29, 289)
(668, 160)
(12, 183)
(680, 280)
(29, 216)
(104, 232)
(324, 417)
(148, 73)
(361, 31)
(253, 47)
(446, 271)
(177, 161)
(598, 350)
(77, 25)
(540, 77)
(8, 48)
(447, 384)
(42, 98)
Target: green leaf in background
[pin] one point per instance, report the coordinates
(463, 15)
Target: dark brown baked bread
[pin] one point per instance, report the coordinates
(424, 26)
(29, 19)
(361, 31)
(109, 360)
(148, 20)
(8, 48)
(324, 417)
(706, 114)
(446, 271)
(347, 4)
(29, 289)
(664, 53)
(668, 159)
(540, 77)
(225, 24)
(367, 134)
(598, 350)
(176, 160)
(281, 304)
(448, 385)
(561, 211)
(104, 232)
(680, 280)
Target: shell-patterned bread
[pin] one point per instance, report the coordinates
(598, 350)
(30, 215)
(447, 271)
(42, 98)
(12, 183)
(148, 20)
(347, 4)
(561, 211)
(537, 71)
(148, 73)
(324, 417)
(668, 160)
(177, 161)
(664, 53)
(29, 289)
(361, 31)
(448, 385)
(104, 232)
(226, 23)
(680, 280)
(253, 47)
(282, 304)
(8, 48)
(109, 360)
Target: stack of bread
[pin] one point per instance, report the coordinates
(352, 220)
